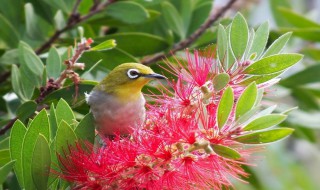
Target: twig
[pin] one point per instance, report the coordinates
(4, 76)
(73, 20)
(8, 126)
(214, 16)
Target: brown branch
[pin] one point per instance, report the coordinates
(74, 20)
(4, 76)
(214, 16)
(8, 126)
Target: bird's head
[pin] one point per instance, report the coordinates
(127, 79)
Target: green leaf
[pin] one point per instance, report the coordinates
(26, 110)
(230, 55)
(5, 170)
(296, 19)
(86, 128)
(4, 143)
(17, 134)
(53, 121)
(128, 12)
(273, 64)
(260, 40)
(15, 82)
(277, 16)
(4, 157)
(68, 92)
(225, 151)
(41, 162)
(173, 19)
(39, 125)
(265, 122)
(106, 45)
(53, 64)
(246, 100)
(239, 35)
(311, 34)
(222, 44)
(9, 34)
(263, 137)
(225, 107)
(277, 46)
(313, 53)
(32, 23)
(65, 137)
(31, 65)
(258, 79)
(125, 42)
(110, 59)
(306, 76)
(199, 15)
(220, 81)
(64, 112)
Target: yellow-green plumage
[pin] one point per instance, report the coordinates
(116, 102)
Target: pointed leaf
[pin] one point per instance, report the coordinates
(239, 35)
(128, 12)
(108, 44)
(260, 39)
(26, 110)
(16, 141)
(225, 151)
(225, 107)
(39, 125)
(41, 161)
(220, 81)
(65, 137)
(31, 65)
(222, 44)
(246, 100)
(273, 64)
(263, 137)
(277, 46)
(258, 79)
(173, 19)
(296, 19)
(86, 128)
(265, 122)
(16, 82)
(9, 34)
(53, 64)
(53, 122)
(5, 170)
(64, 112)
(306, 76)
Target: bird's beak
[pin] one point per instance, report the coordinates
(155, 75)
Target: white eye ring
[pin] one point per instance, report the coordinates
(133, 73)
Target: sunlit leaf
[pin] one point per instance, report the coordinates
(239, 35)
(265, 122)
(225, 107)
(273, 64)
(277, 46)
(246, 100)
(41, 161)
(108, 44)
(225, 151)
(263, 137)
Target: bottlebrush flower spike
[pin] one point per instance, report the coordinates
(196, 136)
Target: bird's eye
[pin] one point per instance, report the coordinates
(133, 73)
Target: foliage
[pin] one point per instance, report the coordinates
(44, 74)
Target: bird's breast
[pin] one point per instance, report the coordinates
(116, 116)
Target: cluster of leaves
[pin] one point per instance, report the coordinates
(33, 147)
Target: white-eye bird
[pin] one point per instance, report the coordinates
(117, 103)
